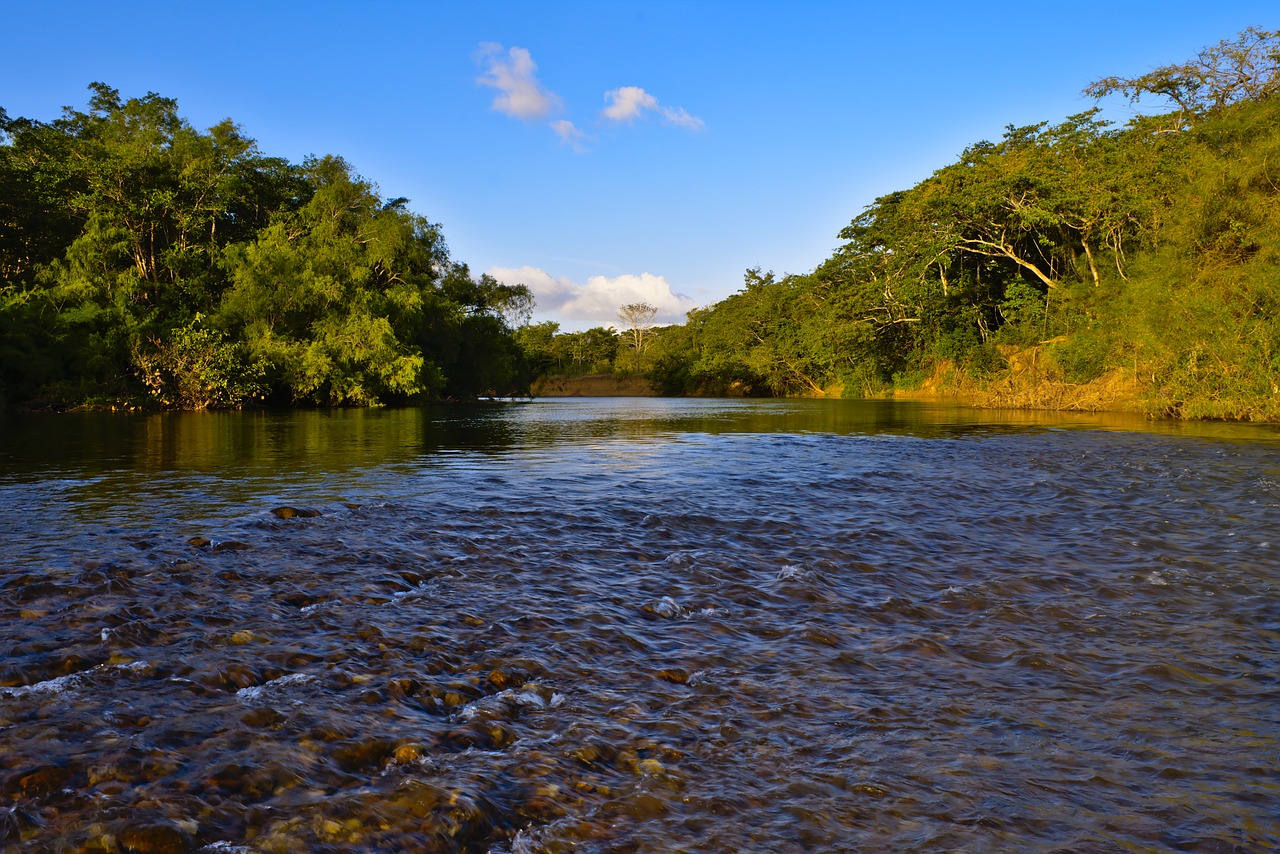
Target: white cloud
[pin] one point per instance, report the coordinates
(628, 103)
(549, 291)
(520, 95)
(678, 117)
(600, 298)
(569, 134)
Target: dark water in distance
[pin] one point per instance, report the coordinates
(639, 625)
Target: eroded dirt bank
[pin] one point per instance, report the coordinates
(593, 385)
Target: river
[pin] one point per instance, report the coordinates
(602, 625)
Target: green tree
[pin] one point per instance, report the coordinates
(1237, 70)
(330, 297)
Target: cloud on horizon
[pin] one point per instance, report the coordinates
(627, 103)
(600, 298)
(512, 73)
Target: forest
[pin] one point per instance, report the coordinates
(1069, 264)
(144, 263)
(1061, 258)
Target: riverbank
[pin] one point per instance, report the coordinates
(593, 385)
(1031, 381)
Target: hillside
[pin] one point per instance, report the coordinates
(1148, 254)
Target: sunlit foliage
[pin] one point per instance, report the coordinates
(1149, 249)
(144, 260)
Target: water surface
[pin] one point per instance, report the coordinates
(639, 625)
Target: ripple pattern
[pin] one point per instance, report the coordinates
(657, 639)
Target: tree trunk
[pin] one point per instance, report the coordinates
(1000, 250)
(1093, 270)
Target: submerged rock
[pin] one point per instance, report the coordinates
(157, 838)
(294, 513)
(364, 755)
(44, 780)
(409, 753)
(231, 546)
(677, 675)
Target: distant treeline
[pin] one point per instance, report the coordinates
(1149, 251)
(143, 261)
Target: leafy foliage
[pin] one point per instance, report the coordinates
(1246, 68)
(141, 257)
(1127, 249)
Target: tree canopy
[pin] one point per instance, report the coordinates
(1244, 68)
(1097, 248)
(142, 259)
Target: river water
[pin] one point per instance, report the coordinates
(638, 625)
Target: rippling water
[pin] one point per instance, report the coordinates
(638, 625)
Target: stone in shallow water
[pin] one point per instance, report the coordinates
(263, 717)
(44, 780)
(678, 675)
(486, 735)
(158, 838)
(231, 546)
(641, 806)
(364, 755)
(15, 823)
(235, 676)
(294, 513)
(407, 753)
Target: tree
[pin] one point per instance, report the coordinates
(1246, 68)
(140, 256)
(331, 297)
(537, 344)
(592, 350)
(637, 321)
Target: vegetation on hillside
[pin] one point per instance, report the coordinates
(1150, 250)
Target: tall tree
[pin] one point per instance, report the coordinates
(637, 323)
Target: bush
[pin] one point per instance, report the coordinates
(1082, 357)
(197, 368)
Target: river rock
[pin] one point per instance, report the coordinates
(155, 838)
(409, 753)
(231, 546)
(678, 675)
(364, 755)
(44, 780)
(486, 735)
(294, 513)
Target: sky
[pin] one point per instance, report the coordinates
(606, 153)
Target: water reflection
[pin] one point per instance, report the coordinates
(250, 442)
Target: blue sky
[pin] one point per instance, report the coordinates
(607, 152)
